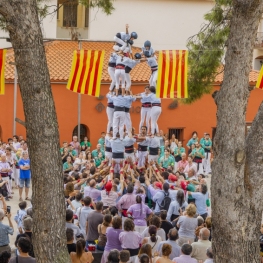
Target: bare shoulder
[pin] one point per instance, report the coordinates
(90, 257)
(72, 255)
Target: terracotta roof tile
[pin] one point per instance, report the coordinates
(59, 57)
(253, 76)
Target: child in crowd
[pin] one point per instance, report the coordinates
(20, 214)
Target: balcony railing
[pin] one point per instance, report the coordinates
(259, 40)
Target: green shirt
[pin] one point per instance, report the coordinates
(66, 166)
(88, 144)
(167, 161)
(192, 141)
(190, 188)
(206, 144)
(101, 141)
(62, 150)
(162, 148)
(73, 152)
(201, 140)
(98, 161)
(179, 151)
(198, 152)
(95, 153)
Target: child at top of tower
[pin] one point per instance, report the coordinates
(123, 39)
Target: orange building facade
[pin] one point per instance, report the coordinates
(178, 118)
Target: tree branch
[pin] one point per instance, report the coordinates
(20, 122)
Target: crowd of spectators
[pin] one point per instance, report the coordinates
(158, 212)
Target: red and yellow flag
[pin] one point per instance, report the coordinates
(2, 71)
(259, 84)
(86, 70)
(172, 74)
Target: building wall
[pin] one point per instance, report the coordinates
(64, 32)
(200, 116)
(166, 23)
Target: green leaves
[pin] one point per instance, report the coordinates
(105, 5)
(206, 50)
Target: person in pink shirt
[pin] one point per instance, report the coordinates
(75, 144)
(139, 213)
(92, 192)
(126, 201)
(112, 234)
(130, 239)
(190, 165)
(182, 164)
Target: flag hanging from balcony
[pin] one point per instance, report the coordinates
(259, 84)
(86, 70)
(2, 71)
(172, 74)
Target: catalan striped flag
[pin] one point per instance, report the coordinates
(259, 84)
(172, 74)
(2, 71)
(86, 70)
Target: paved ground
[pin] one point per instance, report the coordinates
(14, 208)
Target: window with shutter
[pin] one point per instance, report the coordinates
(70, 14)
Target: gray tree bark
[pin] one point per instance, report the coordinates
(236, 179)
(49, 237)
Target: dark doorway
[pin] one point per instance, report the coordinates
(84, 131)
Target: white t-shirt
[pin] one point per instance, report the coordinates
(16, 145)
(154, 245)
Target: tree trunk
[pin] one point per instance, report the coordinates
(49, 237)
(236, 200)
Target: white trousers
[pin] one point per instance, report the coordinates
(207, 163)
(120, 75)
(145, 114)
(200, 170)
(155, 114)
(153, 158)
(108, 155)
(111, 72)
(110, 112)
(153, 78)
(142, 158)
(118, 123)
(121, 42)
(128, 123)
(130, 155)
(128, 80)
(16, 175)
(140, 229)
